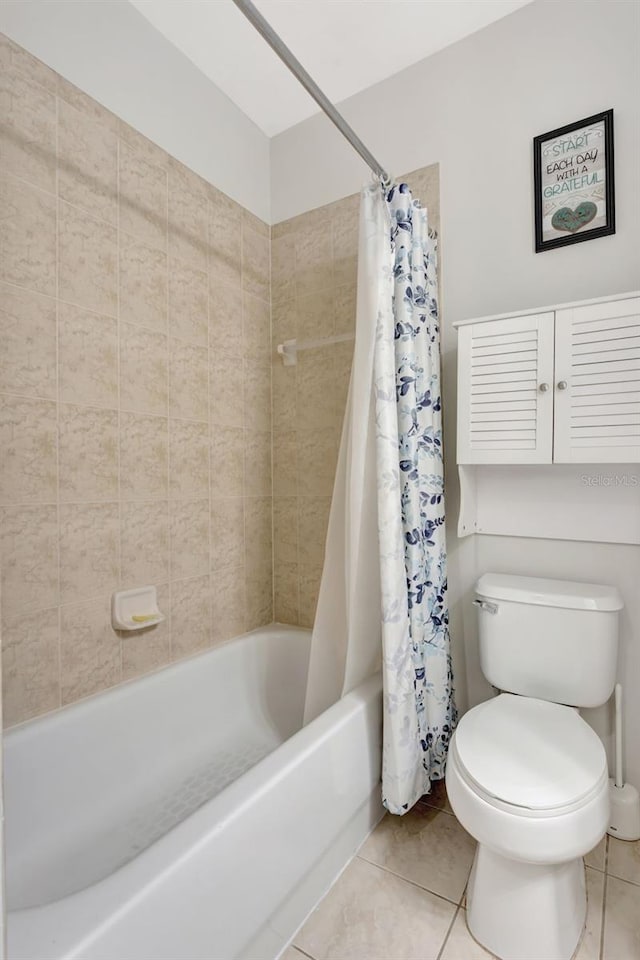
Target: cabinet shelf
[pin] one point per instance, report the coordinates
(564, 501)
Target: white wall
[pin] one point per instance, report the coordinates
(474, 108)
(113, 53)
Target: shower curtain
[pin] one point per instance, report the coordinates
(346, 644)
(419, 708)
(383, 589)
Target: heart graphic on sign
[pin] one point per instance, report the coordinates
(572, 220)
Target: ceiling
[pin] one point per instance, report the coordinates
(346, 45)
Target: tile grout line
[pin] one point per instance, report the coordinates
(459, 909)
(271, 425)
(432, 806)
(169, 426)
(414, 883)
(102, 313)
(57, 301)
(631, 883)
(94, 405)
(617, 876)
(449, 929)
(603, 909)
(210, 417)
(303, 952)
(118, 395)
(295, 431)
(243, 429)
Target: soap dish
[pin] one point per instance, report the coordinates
(135, 609)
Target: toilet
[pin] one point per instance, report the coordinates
(526, 775)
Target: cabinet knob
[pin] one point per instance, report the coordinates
(562, 384)
(543, 387)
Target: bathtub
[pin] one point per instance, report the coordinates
(187, 814)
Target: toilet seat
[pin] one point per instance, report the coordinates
(530, 757)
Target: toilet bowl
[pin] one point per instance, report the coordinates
(528, 779)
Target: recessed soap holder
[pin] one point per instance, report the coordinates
(135, 609)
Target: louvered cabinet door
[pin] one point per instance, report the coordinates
(597, 383)
(505, 390)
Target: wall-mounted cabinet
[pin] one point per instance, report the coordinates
(560, 385)
(539, 394)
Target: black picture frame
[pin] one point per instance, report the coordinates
(556, 168)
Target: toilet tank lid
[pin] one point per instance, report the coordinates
(549, 593)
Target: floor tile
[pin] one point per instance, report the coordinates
(621, 921)
(371, 915)
(437, 797)
(426, 846)
(460, 944)
(590, 945)
(596, 857)
(624, 860)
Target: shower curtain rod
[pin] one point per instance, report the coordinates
(265, 29)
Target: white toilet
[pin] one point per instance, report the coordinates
(526, 775)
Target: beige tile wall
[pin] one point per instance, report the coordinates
(135, 397)
(136, 381)
(313, 271)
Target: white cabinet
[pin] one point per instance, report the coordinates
(505, 396)
(560, 385)
(597, 376)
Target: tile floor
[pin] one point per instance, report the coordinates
(403, 896)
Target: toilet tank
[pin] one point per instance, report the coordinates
(551, 639)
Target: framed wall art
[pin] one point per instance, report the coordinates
(574, 182)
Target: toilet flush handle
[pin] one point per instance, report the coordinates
(486, 605)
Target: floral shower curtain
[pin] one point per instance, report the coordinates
(419, 708)
(383, 588)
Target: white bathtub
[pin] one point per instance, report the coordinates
(186, 815)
